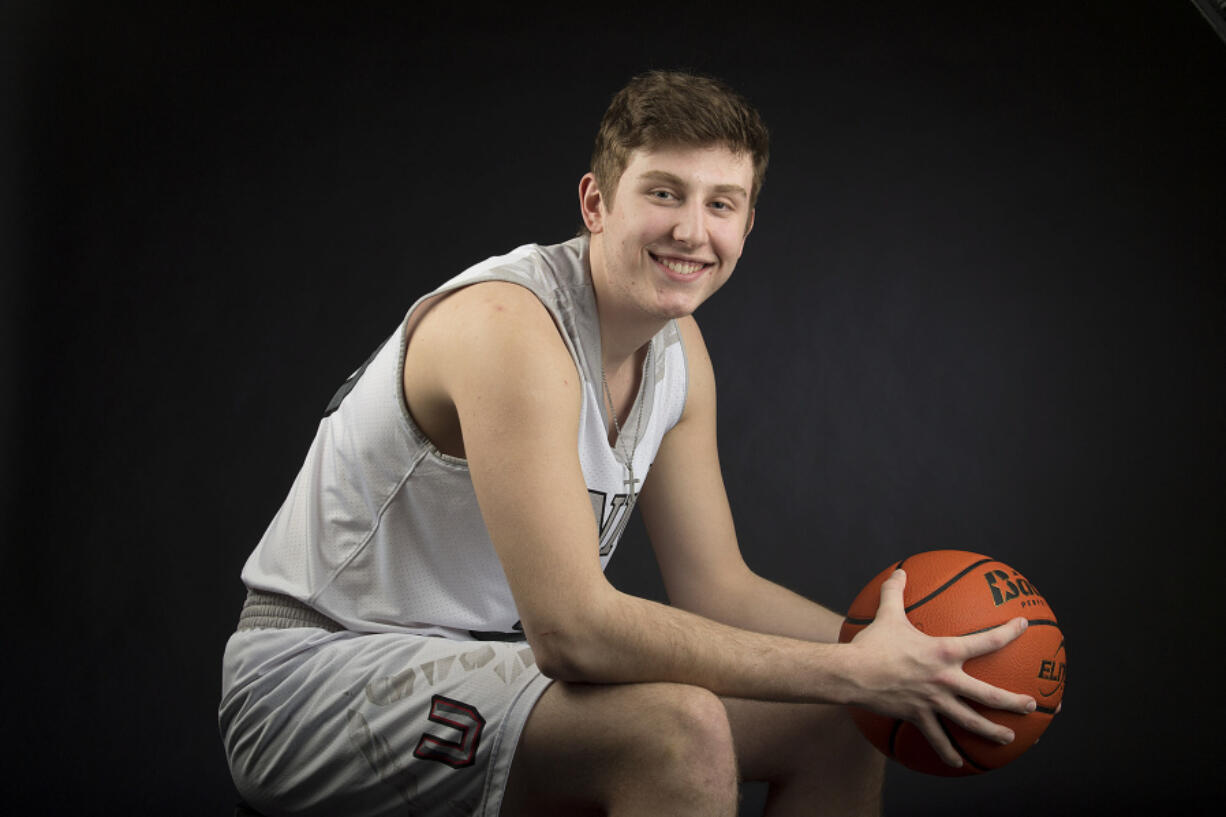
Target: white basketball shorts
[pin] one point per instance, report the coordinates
(330, 723)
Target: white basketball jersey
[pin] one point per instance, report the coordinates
(381, 531)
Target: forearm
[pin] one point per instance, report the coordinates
(625, 639)
(751, 602)
(890, 667)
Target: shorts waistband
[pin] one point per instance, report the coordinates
(275, 611)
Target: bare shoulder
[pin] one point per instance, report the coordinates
(492, 344)
(498, 326)
(495, 305)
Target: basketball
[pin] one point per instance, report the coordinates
(950, 593)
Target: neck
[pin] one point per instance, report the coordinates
(619, 350)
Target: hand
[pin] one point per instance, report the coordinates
(906, 674)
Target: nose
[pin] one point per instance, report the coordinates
(690, 228)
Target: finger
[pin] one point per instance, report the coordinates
(974, 722)
(940, 742)
(993, 697)
(891, 594)
(993, 639)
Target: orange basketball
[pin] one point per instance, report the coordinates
(952, 592)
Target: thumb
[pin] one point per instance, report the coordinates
(891, 594)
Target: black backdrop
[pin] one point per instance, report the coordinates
(982, 308)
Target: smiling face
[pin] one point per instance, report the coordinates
(674, 233)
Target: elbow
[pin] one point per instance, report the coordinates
(572, 647)
(562, 655)
(555, 663)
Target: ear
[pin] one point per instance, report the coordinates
(590, 203)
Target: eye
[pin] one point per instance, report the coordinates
(662, 195)
(722, 206)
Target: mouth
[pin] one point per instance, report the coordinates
(681, 269)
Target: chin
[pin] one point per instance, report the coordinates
(674, 304)
(673, 308)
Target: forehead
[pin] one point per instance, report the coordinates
(702, 167)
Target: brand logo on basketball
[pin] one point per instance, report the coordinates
(1052, 673)
(1007, 588)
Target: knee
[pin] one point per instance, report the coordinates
(693, 743)
(693, 721)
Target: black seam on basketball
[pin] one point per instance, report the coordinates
(1034, 622)
(859, 622)
(948, 584)
(945, 728)
(894, 735)
(1046, 710)
(862, 622)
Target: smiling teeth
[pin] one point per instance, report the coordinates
(682, 267)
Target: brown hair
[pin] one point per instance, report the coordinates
(662, 108)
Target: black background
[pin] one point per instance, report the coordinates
(982, 308)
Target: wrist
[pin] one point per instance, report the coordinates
(847, 667)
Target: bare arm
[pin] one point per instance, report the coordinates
(497, 356)
(516, 393)
(685, 508)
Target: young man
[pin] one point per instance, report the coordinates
(468, 485)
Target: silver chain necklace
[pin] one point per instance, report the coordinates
(638, 426)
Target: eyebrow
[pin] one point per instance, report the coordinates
(671, 178)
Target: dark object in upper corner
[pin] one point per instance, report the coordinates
(1215, 12)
